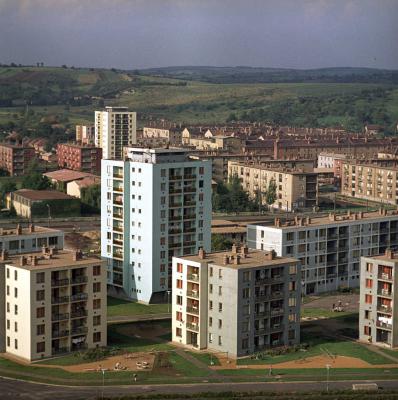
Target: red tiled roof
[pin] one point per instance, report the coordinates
(67, 175)
(37, 195)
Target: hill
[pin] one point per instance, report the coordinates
(275, 75)
(45, 101)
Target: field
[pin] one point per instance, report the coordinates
(70, 96)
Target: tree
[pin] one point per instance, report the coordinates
(6, 186)
(219, 242)
(36, 181)
(270, 194)
(91, 197)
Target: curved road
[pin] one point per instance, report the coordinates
(14, 389)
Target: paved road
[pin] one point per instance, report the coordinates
(12, 389)
(67, 226)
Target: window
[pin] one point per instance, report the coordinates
(179, 300)
(246, 276)
(210, 321)
(8, 272)
(8, 341)
(211, 271)
(16, 309)
(16, 326)
(368, 298)
(40, 312)
(220, 307)
(292, 301)
(40, 295)
(210, 338)
(369, 283)
(97, 270)
(210, 304)
(369, 267)
(219, 323)
(367, 330)
(16, 344)
(201, 170)
(179, 316)
(291, 334)
(96, 337)
(16, 275)
(367, 314)
(245, 344)
(8, 307)
(96, 320)
(8, 324)
(292, 317)
(220, 290)
(41, 347)
(211, 288)
(246, 293)
(96, 287)
(220, 273)
(246, 309)
(179, 268)
(96, 304)
(179, 283)
(178, 332)
(220, 341)
(293, 269)
(40, 329)
(8, 290)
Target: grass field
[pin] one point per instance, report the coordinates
(118, 307)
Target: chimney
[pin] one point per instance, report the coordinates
(225, 259)
(34, 261)
(237, 259)
(234, 249)
(308, 221)
(277, 222)
(53, 251)
(245, 250)
(22, 261)
(202, 254)
(270, 255)
(332, 217)
(3, 255)
(389, 254)
(19, 229)
(360, 215)
(1, 231)
(31, 228)
(77, 255)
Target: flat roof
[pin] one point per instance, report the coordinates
(67, 175)
(62, 258)
(254, 259)
(325, 220)
(38, 195)
(25, 231)
(158, 150)
(281, 169)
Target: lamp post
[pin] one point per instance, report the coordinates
(168, 301)
(103, 382)
(327, 376)
(49, 213)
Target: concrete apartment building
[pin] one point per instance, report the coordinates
(78, 157)
(154, 205)
(85, 134)
(236, 302)
(294, 188)
(371, 181)
(32, 238)
(115, 128)
(16, 159)
(328, 247)
(172, 136)
(55, 302)
(378, 306)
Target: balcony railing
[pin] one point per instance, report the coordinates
(190, 293)
(175, 177)
(192, 327)
(193, 277)
(193, 310)
(384, 292)
(386, 277)
(59, 317)
(78, 279)
(384, 309)
(118, 255)
(79, 314)
(276, 328)
(60, 300)
(190, 216)
(174, 245)
(118, 189)
(60, 282)
(189, 190)
(79, 330)
(79, 297)
(276, 295)
(189, 177)
(277, 311)
(58, 334)
(383, 325)
(175, 205)
(60, 350)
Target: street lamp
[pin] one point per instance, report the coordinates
(103, 382)
(49, 213)
(168, 301)
(327, 376)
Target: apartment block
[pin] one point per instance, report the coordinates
(115, 128)
(329, 247)
(55, 302)
(236, 302)
(294, 188)
(29, 239)
(378, 306)
(172, 136)
(154, 205)
(16, 159)
(79, 157)
(370, 181)
(85, 134)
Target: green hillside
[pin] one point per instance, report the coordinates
(33, 99)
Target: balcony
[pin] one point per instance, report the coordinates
(59, 317)
(79, 314)
(384, 292)
(189, 216)
(384, 309)
(118, 189)
(193, 277)
(175, 218)
(175, 177)
(79, 330)
(261, 314)
(117, 242)
(174, 245)
(192, 327)
(189, 244)
(175, 205)
(118, 176)
(383, 325)
(60, 350)
(175, 191)
(277, 295)
(189, 177)
(189, 190)
(385, 277)
(118, 215)
(174, 231)
(59, 334)
(277, 328)
(118, 229)
(79, 279)
(193, 310)
(192, 294)
(60, 300)
(118, 256)
(189, 230)
(79, 297)
(60, 282)
(277, 311)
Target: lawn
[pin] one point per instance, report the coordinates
(321, 313)
(206, 358)
(123, 308)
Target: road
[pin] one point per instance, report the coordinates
(12, 389)
(82, 225)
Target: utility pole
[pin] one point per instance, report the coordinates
(327, 376)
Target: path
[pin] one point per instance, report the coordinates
(380, 352)
(137, 318)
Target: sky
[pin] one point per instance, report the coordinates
(132, 34)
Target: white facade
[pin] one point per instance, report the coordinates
(329, 248)
(155, 205)
(115, 128)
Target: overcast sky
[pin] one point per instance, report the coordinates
(153, 33)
